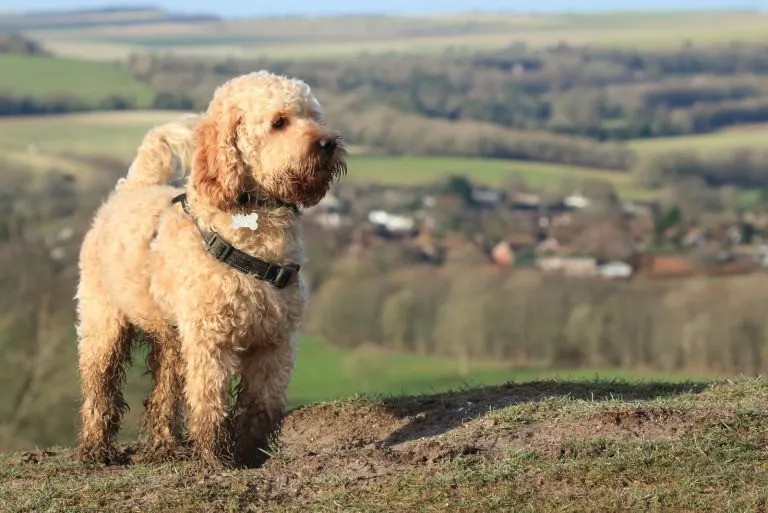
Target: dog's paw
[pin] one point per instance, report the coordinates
(105, 454)
(209, 461)
(158, 452)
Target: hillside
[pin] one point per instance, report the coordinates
(116, 34)
(81, 18)
(544, 446)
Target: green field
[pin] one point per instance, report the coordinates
(112, 134)
(324, 372)
(537, 175)
(88, 81)
(747, 136)
(299, 37)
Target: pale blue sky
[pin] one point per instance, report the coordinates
(239, 8)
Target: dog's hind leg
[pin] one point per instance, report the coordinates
(162, 418)
(265, 373)
(104, 347)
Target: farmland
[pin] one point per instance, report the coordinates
(742, 137)
(89, 82)
(111, 134)
(290, 38)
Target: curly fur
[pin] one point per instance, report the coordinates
(143, 266)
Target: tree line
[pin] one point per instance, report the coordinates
(695, 325)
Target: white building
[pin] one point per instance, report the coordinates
(615, 270)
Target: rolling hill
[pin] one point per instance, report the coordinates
(115, 34)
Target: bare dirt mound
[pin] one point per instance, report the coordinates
(358, 441)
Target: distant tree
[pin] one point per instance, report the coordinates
(460, 186)
(16, 43)
(669, 219)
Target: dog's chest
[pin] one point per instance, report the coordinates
(266, 315)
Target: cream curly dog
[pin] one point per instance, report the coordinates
(261, 147)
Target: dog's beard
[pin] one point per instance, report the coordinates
(308, 185)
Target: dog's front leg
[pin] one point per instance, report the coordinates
(265, 372)
(209, 367)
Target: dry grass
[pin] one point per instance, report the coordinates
(545, 446)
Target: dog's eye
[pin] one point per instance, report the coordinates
(278, 122)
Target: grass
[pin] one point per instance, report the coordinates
(746, 136)
(112, 134)
(91, 82)
(537, 175)
(325, 372)
(547, 446)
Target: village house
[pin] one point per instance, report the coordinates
(487, 197)
(578, 266)
(616, 270)
(392, 225)
(525, 201)
(576, 201)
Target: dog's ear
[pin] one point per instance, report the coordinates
(218, 173)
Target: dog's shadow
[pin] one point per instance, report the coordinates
(433, 415)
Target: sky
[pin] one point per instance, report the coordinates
(243, 8)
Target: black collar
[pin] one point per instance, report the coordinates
(278, 275)
(246, 198)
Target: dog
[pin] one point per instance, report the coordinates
(153, 264)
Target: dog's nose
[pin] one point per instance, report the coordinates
(327, 144)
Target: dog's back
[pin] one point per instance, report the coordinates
(124, 227)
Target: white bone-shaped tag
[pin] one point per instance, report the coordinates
(246, 221)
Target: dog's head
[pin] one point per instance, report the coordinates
(265, 134)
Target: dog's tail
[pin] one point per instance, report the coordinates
(165, 151)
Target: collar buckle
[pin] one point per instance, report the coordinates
(285, 275)
(217, 247)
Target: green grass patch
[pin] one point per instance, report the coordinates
(91, 82)
(537, 175)
(110, 134)
(324, 372)
(747, 137)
